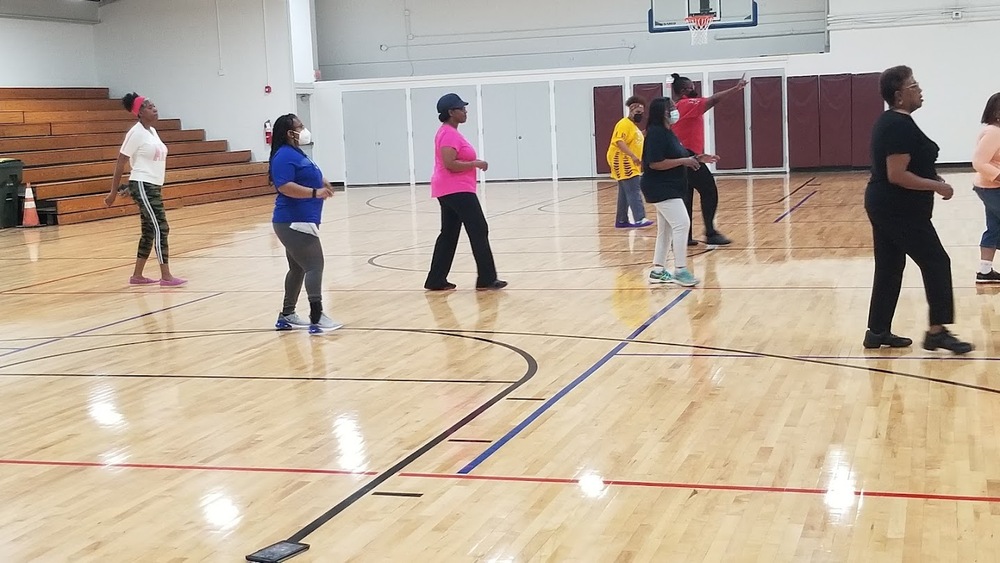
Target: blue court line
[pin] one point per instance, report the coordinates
(82, 332)
(797, 205)
(872, 357)
(562, 392)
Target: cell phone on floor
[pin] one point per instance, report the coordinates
(276, 553)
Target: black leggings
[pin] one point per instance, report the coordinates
(703, 181)
(456, 210)
(305, 264)
(895, 237)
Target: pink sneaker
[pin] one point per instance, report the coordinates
(174, 282)
(141, 280)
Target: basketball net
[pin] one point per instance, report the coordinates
(699, 24)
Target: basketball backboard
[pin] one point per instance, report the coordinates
(668, 15)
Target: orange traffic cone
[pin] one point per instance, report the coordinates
(30, 213)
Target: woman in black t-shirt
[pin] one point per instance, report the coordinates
(664, 184)
(899, 201)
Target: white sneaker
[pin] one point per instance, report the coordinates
(289, 322)
(327, 323)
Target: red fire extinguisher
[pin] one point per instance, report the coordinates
(267, 131)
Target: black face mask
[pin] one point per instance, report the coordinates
(637, 117)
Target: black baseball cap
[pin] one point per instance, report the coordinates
(449, 102)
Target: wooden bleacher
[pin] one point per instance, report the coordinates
(68, 139)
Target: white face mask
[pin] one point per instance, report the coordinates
(305, 137)
(675, 116)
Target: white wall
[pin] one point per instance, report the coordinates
(303, 43)
(865, 37)
(383, 38)
(47, 53)
(209, 72)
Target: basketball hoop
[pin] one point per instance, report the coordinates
(699, 24)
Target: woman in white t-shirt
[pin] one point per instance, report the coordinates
(147, 156)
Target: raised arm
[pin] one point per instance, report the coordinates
(714, 99)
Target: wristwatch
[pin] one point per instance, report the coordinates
(314, 193)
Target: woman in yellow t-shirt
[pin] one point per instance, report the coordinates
(624, 157)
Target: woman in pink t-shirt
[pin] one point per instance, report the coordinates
(454, 185)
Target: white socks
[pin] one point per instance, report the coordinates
(985, 266)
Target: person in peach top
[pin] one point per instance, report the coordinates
(986, 161)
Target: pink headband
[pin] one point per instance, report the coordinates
(137, 105)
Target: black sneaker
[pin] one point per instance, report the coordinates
(992, 277)
(946, 340)
(877, 340)
(718, 239)
(446, 286)
(495, 284)
(692, 242)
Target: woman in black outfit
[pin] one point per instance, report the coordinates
(899, 201)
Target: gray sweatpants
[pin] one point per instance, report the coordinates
(305, 263)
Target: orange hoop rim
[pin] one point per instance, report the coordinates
(700, 21)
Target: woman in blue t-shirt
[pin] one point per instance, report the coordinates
(298, 209)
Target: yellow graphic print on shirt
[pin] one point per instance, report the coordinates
(622, 166)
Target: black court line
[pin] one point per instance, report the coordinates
(181, 335)
(730, 204)
(527, 398)
(255, 378)
(531, 369)
(804, 184)
(108, 325)
(470, 441)
(404, 495)
(543, 204)
(855, 367)
(81, 274)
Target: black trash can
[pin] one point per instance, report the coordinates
(11, 173)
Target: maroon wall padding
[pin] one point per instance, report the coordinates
(835, 120)
(608, 109)
(730, 128)
(766, 117)
(803, 122)
(866, 107)
(647, 92)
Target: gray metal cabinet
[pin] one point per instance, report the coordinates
(375, 137)
(575, 140)
(517, 131)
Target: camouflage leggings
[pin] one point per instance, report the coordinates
(154, 219)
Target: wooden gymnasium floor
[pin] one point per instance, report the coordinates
(577, 416)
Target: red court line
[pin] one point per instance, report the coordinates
(703, 486)
(505, 479)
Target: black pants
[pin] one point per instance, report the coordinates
(703, 181)
(896, 236)
(457, 210)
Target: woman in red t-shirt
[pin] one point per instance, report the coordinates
(691, 131)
